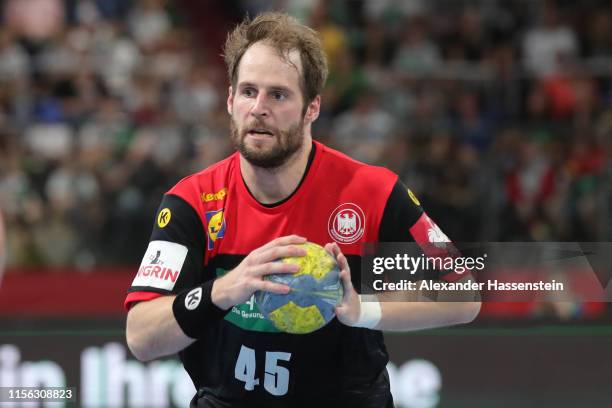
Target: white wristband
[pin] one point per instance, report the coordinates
(370, 314)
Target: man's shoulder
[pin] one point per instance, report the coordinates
(337, 163)
(212, 180)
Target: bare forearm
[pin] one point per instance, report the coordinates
(423, 309)
(409, 316)
(152, 330)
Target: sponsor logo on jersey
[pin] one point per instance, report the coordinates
(219, 195)
(216, 227)
(161, 265)
(193, 298)
(413, 197)
(163, 218)
(346, 223)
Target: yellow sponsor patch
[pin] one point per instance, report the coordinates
(413, 197)
(219, 195)
(163, 218)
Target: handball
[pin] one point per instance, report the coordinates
(315, 292)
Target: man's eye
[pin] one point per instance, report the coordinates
(248, 92)
(279, 96)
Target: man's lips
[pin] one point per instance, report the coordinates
(259, 133)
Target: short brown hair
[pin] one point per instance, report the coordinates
(284, 33)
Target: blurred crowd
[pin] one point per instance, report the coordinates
(497, 114)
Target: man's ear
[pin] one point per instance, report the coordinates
(313, 109)
(230, 100)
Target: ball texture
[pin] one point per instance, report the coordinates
(315, 292)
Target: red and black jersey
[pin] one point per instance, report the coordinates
(209, 222)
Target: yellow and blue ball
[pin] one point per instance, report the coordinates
(315, 292)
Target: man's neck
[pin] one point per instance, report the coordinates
(273, 185)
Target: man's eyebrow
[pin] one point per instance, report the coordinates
(272, 87)
(280, 88)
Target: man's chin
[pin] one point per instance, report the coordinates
(263, 157)
(258, 146)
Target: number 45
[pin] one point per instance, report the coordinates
(276, 378)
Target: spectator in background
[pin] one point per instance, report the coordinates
(376, 53)
(333, 36)
(34, 20)
(469, 121)
(416, 55)
(598, 33)
(452, 166)
(530, 185)
(584, 167)
(393, 13)
(549, 45)
(365, 130)
(195, 96)
(14, 61)
(21, 204)
(472, 36)
(346, 80)
(116, 58)
(149, 22)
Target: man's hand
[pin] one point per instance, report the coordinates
(239, 284)
(349, 309)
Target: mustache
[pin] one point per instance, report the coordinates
(258, 124)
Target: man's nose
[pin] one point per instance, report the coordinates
(260, 106)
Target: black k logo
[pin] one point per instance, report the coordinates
(164, 217)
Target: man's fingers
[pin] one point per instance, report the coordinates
(342, 261)
(333, 249)
(274, 267)
(341, 311)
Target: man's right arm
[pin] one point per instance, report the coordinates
(152, 331)
(172, 264)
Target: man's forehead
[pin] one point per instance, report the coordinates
(261, 58)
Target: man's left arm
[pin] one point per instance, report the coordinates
(405, 221)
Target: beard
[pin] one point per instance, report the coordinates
(287, 142)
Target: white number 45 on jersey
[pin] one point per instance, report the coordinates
(276, 378)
